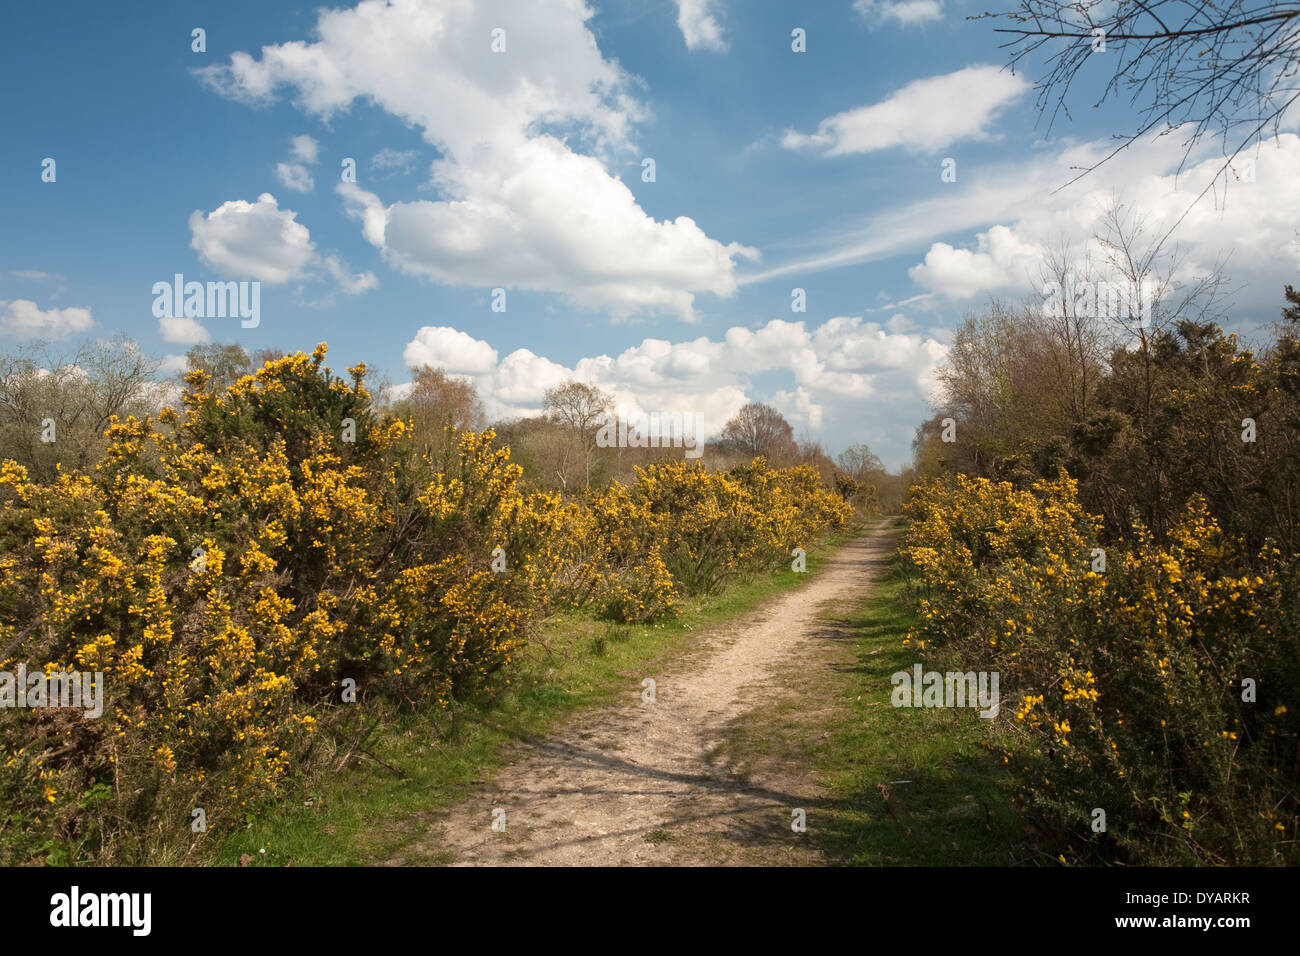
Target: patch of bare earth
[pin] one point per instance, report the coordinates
(710, 773)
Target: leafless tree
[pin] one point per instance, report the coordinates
(759, 429)
(1228, 67)
(261, 357)
(438, 405)
(860, 463)
(225, 363)
(581, 409)
(1078, 333)
(78, 392)
(1141, 260)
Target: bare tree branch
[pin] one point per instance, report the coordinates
(1219, 68)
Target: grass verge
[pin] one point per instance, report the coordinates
(896, 786)
(911, 786)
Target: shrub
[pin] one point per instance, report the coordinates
(1127, 683)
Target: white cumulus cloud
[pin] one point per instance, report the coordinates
(445, 347)
(521, 204)
(26, 318)
(295, 176)
(700, 28)
(832, 370)
(1001, 259)
(257, 240)
(923, 116)
(180, 330)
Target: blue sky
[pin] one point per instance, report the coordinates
(522, 170)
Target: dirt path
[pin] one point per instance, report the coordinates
(662, 783)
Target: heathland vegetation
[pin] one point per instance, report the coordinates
(1103, 512)
(244, 567)
(1106, 514)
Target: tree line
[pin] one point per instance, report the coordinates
(81, 390)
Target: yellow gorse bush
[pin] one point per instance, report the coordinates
(1127, 681)
(681, 528)
(229, 566)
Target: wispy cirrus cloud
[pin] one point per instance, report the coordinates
(903, 13)
(1016, 209)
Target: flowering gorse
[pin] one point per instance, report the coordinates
(229, 566)
(1128, 682)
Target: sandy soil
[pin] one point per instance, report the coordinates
(663, 783)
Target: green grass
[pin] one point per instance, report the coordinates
(955, 807)
(417, 764)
